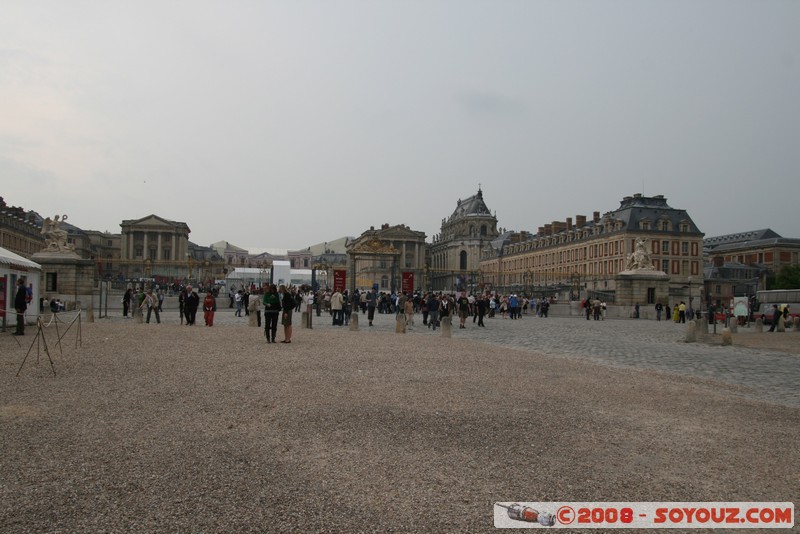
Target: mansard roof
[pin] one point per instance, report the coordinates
(633, 210)
(739, 238)
(473, 205)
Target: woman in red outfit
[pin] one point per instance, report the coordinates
(209, 307)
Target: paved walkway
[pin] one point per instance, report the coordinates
(643, 344)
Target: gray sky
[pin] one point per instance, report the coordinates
(283, 124)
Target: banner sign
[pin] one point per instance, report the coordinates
(407, 285)
(339, 280)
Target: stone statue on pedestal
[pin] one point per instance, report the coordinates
(55, 238)
(639, 259)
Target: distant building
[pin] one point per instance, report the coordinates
(456, 251)
(738, 264)
(382, 256)
(19, 231)
(582, 258)
(763, 248)
(156, 248)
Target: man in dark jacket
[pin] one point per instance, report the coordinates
(191, 303)
(21, 304)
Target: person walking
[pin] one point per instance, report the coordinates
(192, 303)
(776, 317)
(659, 307)
(126, 302)
(272, 309)
(480, 305)
(209, 307)
(682, 312)
(372, 301)
(287, 305)
(463, 310)
(151, 303)
(20, 305)
(408, 310)
(336, 307)
(433, 311)
(182, 303)
(237, 298)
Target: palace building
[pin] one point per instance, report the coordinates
(582, 258)
(456, 251)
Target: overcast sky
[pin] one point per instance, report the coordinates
(281, 124)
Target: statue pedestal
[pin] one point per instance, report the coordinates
(66, 276)
(633, 288)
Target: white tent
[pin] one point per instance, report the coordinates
(12, 268)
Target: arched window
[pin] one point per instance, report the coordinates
(483, 230)
(463, 260)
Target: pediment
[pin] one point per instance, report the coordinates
(401, 232)
(154, 221)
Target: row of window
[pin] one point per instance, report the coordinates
(597, 268)
(599, 250)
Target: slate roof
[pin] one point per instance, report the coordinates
(633, 210)
(473, 205)
(739, 238)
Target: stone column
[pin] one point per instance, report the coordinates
(158, 247)
(131, 237)
(400, 324)
(727, 338)
(691, 332)
(447, 326)
(144, 247)
(173, 258)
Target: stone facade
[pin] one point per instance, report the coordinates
(456, 251)
(381, 256)
(584, 258)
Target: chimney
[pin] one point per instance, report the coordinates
(719, 261)
(596, 217)
(569, 223)
(580, 221)
(541, 230)
(548, 229)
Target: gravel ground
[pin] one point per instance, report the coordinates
(164, 428)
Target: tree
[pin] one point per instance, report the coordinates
(787, 278)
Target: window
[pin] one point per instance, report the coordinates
(651, 295)
(685, 227)
(685, 248)
(51, 282)
(665, 226)
(665, 247)
(166, 254)
(463, 260)
(665, 265)
(384, 282)
(138, 252)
